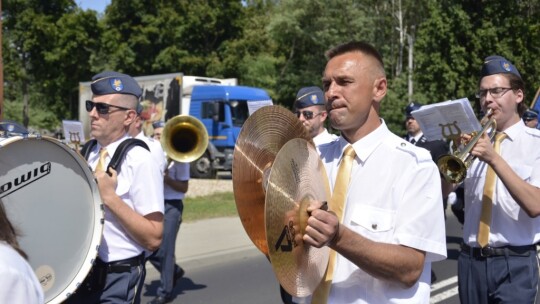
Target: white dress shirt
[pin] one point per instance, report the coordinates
(510, 225)
(18, 282)
(324, 138)
(394, 197)
(155, 149)
(140, 186)
(179, 172)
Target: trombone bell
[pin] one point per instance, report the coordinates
(184, 138)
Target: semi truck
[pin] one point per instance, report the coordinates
(220, 104)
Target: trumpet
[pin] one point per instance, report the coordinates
(184, 138)
(453, 167)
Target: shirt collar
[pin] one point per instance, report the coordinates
(515, 129)
(111, 148)
(366, 145)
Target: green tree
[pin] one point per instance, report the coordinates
(150, 37)
(45, 47)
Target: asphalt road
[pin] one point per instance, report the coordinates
(241, 273)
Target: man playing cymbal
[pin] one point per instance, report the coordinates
(385, 221)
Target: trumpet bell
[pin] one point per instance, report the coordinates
(184, 138)
(452, 168)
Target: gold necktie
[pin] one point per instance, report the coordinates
(337, 204)
(487, 198)
(102, 162)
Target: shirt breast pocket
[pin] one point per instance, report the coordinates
(377, 224)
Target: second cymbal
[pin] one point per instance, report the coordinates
(262, 136)
(297, 178)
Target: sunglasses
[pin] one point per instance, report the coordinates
(307, 114)
(102, 108)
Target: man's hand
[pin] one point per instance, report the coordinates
(322, 226)
(107, 184)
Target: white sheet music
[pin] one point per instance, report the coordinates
(446, 118)
(73, 131)
(255, 105)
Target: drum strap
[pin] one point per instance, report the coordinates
(119, 154)
(87, 147)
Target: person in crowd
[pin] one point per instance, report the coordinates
(498, 262)
(384, 223)
(18, 282)
(530, 118)
(132, 196)
(158, 129)
(176, 180)
(136, 131)
(415, 136)
(309, 108)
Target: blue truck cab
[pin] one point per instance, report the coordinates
(223, 110)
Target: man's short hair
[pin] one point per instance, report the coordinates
(355, 46)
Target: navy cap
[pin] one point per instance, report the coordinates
(12, 127)
(497, 65)
(309, 96)
(158, 124)
(411, 107)
(530, 114)
(110, 82)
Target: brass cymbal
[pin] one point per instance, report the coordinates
(262, 136)
(297, 178)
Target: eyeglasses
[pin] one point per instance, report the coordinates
(307, 114)
(102, 108)
(495, 92)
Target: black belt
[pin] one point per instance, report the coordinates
(487, 252)
(122, 265)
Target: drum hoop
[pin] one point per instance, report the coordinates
(99, 215)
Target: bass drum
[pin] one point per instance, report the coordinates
(51, 197)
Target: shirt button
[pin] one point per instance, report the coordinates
(374, 226)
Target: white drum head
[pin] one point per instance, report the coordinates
(51, 198)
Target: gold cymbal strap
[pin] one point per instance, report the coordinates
(337, 203)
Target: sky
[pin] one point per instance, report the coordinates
(97, 5)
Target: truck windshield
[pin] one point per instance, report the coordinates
(239, 113)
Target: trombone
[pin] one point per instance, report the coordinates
(184, 138)
(454, 166)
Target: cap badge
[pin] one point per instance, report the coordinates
(117, 84)
(506, 66)
(314, 99)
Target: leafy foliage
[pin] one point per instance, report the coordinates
(51, 46)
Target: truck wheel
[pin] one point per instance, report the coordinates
(202, 168)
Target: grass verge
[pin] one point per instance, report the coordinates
(210, 206)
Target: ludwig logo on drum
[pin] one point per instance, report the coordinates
(25, 179)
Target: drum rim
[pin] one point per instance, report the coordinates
(99, 216)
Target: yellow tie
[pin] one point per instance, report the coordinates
(337, 204)
(102, 162)
(487, 198)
